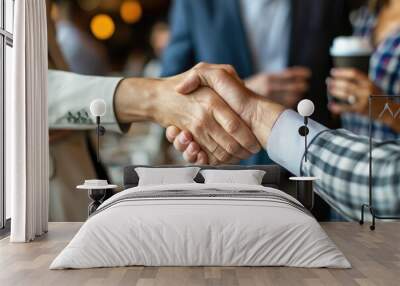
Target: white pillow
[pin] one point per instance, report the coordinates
(166, 176)
(247, 177)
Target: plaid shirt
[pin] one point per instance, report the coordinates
(384, 72)
(339, 159)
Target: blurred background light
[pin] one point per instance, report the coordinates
(131, 11)
(110, 5)
(102, 26)
(88, 5)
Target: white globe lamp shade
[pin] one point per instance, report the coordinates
(305, 108)
(98, 107)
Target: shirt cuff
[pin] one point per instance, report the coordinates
(107, 88)
(285, 145)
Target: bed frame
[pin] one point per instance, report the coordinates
(273, 177)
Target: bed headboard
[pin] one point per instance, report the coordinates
(272, 178)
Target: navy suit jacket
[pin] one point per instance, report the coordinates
(212, 31)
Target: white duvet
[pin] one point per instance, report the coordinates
(188, 231)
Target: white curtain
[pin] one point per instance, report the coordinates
(26, 124)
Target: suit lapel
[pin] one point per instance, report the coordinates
(240, 47)
(299, 31)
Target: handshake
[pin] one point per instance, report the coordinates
(209, 113)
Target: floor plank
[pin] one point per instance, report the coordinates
(375, 257)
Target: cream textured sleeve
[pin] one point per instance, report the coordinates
(70, 95)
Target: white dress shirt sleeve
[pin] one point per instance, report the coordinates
(285, 145)
(70, 95)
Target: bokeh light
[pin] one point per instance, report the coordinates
(131, 11)
(102, 26)
(110, 5)
(88, 5)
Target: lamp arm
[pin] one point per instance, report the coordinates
(305, 138)
(98, 138)
(305, 148)
(303, 131)
(100, 131)
(305, 108)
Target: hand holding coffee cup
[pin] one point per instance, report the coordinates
(353, 88)
(349, 85)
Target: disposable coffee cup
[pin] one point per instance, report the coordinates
(351, 52)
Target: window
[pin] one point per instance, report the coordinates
(6, 44)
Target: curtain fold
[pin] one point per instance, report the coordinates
(26, 127)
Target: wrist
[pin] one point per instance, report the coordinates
(135, 100)
(265, 114)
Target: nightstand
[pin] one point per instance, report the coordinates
(304, 190)
(96, 191)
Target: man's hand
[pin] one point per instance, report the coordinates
(183, 142)
(287, 87)
(259, 113)
(353, 86)
(221, 133)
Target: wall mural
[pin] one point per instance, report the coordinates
(391, 108)
(387, 109)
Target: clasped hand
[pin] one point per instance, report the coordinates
(249, 126)
(221, 120)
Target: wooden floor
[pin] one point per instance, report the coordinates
(375, 257)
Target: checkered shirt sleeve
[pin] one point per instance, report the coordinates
(340, 161)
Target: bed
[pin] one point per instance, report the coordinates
(197, 224)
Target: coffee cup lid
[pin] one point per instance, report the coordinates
(351, 46)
